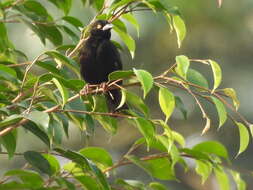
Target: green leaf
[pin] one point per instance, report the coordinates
(53, 162)
(146, 128)
(39, 118)
(64, 5)
(63, 60)
(180, 105)
(8, 73)
(130, 18)
(240, 183)
(89, 182)
(127, 39)
(98, 155)
(232, 94)
(157, 186)
(84, 162)
(222, 113)
(166, 101)
(35, 29)
(197, 78)
(217, 75)
(4, 42)
(97, 4)
(33, 128)
(204, 169)
(212, 147)
(9, 141)
(244, 137)
(222, 178)
(65, 184)
(131, 184)
(71, 34)
(159, 168)
(145, 79)
(183, 64)
(180, 29)
(120, 25)
(34, 10)
(120, 75)
(55, 131)
(28, 177)
(73, 21)
(10, 120)
(137, 102)
(63, 91)
(52, 33)
(118, 4)
(38, 162)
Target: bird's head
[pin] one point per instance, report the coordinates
(101, 28)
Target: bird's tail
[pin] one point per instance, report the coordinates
(113, 98)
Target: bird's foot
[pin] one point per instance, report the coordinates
(85, 90)
(104, 87)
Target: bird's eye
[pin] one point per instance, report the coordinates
(99, 26)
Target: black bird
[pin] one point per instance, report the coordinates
(98, 58)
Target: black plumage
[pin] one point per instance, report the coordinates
(99, 57)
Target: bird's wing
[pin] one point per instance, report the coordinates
(108, 55)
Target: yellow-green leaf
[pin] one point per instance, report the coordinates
(240, 183)
(183, 64)
(244, 137)
(180, 29)
(166, 101)
(145, 79)
(63, 91)
(232, 94)
(127, 39)
(222, 178)
(222, 113)
(217, 75)
(204, 169)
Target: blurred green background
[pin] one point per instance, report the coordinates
(224, 35)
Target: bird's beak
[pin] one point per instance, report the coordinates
(107, 27)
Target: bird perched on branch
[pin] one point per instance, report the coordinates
(98, 58)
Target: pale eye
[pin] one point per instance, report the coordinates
(99, 26)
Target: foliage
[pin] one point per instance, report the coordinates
(46, 104)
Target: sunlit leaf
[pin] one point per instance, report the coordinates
(244, 137)
(212, 147)
(183, 64)
(240, 183)
(217, 75)
(157, 186)
(130, 18)
(204, 169)
(145, 79)
(180, 29)
(222, 178)
(222, 113)
(63, 91)
(166, 101)
(127, 39)
(232, 94)
(98, 155)
(53, 162)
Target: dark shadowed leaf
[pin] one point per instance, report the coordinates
(38, 162)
